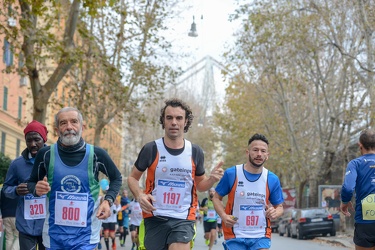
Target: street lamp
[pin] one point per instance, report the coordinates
(193, 30)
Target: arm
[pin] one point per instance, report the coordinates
(348, 188)
(108, 167)
(38, 172)
(204, 183)
(227, 219)
(143, 199)
(11, 182)
(276, 197)
(349, 182)
(274, 211)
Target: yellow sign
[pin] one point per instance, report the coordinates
(368, 207)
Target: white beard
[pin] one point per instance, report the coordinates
(70, 139)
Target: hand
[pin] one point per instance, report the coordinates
(271, 212)
(104, 210)
(344, 208)
(21, 189)
(228, 220)
(42, 187)
(145, 203)
(217, 172)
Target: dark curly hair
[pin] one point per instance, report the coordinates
(174, 102)
(256, 137)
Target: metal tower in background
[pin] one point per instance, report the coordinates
(203, 88)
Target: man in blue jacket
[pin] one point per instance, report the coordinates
(29, 222)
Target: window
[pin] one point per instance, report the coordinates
(5, 100)
(23, 81)
(8, 54)
(21, 60)
(18, 148)
(19, 107)
(2, 148)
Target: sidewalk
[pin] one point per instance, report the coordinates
(344, 239)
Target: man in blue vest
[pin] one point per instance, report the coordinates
(68, 172)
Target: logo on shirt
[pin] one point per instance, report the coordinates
(71, 184)
(180, 170)
(162, 159)
(240, 184)
(171, 184)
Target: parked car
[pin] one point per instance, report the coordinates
(311, 222)
(285, 220)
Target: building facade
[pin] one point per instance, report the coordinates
(16, 102)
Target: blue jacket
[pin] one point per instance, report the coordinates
(359, 180)
(19, 172)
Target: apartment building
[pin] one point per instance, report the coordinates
(16, 104)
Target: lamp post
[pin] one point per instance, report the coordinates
(193, 30)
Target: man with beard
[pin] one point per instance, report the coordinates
(68, 172)
(254, 198)
(29, 224)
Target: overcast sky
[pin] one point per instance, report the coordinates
(215, 32)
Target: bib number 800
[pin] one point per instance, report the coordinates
(70, 213)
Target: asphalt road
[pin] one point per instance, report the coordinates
(199, 243)
(278, 242)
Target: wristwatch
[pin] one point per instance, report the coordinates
(110, 201)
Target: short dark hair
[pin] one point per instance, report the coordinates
(367, 139)
(256, 137)
(174, 102)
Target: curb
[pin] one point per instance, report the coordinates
(347, 242)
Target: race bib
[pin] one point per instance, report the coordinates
(211, 214)
(34, 207)
(71, 209)
(251, 217)
(170, 194)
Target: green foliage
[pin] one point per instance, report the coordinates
(117, 69)
(4, 165)
(301, 81)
